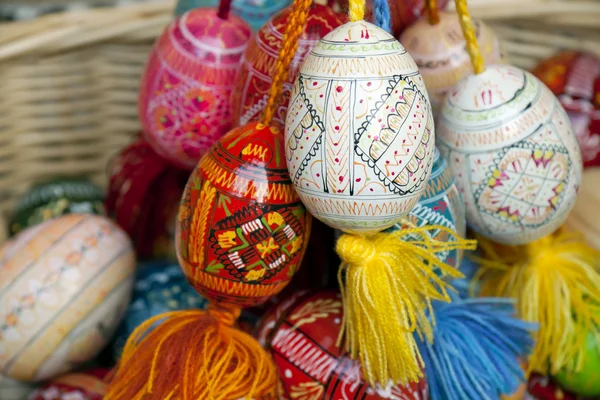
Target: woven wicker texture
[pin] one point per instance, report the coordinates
(69, 81)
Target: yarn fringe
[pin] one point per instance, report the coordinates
(556, 283)
(477, 344)
(193, 355)
(388, 281)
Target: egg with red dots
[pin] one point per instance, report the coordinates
(359, 130)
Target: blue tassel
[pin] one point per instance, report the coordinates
(476, 348)
(382, 15)
(465, 285)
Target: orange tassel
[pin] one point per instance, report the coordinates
(193, 355)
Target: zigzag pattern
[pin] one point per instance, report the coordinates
(356, 207)
(221, 285)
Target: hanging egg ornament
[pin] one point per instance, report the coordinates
(186, 88)
(11, 389)
(159, 288)
(574, 77)
(359, 130)
(405, 12)
(242, 230)
(516, 160)
(255, 12)
(439, 51)
(54, 198)
(442, 205)
(252, 94)
(544, 388)
(68, 282)
(87, 385)
(143, 198)
(585, 381)
(301, 335)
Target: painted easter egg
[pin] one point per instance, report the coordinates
(574, 77)
(586, 381)
(159, 288)
(543, 388)
(301, 335)
(242, 230)
(186, 88)
(252, 94)
(88, 385)
(440, 52)
(14, 390)
(584, 218)
(64, 285)
(54, 198)
(516, 160)
(255, 12)
(143, 198)
(359, 137)
(440, 204)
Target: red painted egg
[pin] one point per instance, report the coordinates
(301, 335)
(256, 76)
(143, 197)
(543, 388)
(186, 89)
(242, 230)
(574, 78)
(89, 385)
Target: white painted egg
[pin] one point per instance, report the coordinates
(359, 135)
(517, 162)
(64, 287)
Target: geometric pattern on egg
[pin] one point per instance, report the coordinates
(359, 130)
(517, 162)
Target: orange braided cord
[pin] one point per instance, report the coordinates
(470, 37)
(433, 16)
(293, 31)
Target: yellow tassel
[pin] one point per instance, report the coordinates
(387, 287)
(556, 283)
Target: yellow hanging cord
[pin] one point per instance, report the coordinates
(433, 15)
(356, 10)
(469, 33)
(556, 283)
(388, 281)
(295, 26)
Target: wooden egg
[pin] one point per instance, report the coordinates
(255, 12)
(584, 218)
(543, 388)
(440, 204)
(88, 385)
(14, 390)
(143, 198)
(159, 288)
(516, 160)
(301, 336)
(54, 198)
(256, 77)
(186, 88)
(64, 285)
(574, 77)
(440, 53)
(242, 230)
(359, 130)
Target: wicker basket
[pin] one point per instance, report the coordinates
(69, 81)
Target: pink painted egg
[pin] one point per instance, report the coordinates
(359, 133)
(440, 53)
(516, 159)
(301, 335)
(64, 287)
(186, 89)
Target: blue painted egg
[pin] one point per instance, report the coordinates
(255, 12)
(440, 204)
(159, 287)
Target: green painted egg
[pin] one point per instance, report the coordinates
(585, 382)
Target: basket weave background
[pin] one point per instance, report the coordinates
(69, 81)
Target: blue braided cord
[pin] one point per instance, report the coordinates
(382, 15)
